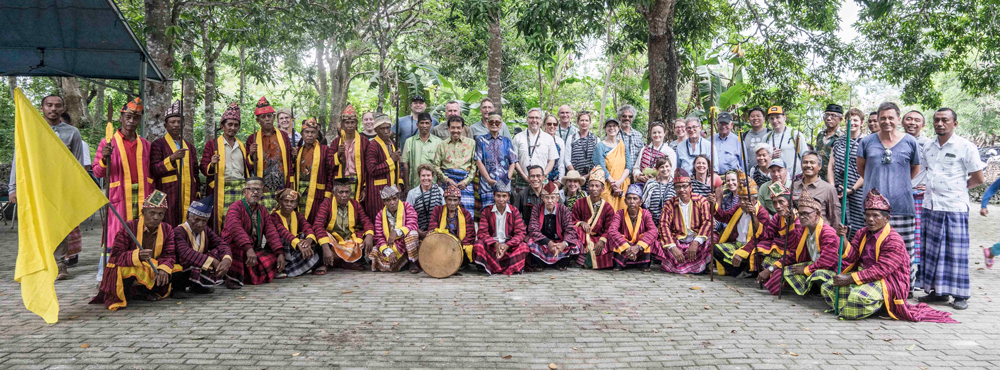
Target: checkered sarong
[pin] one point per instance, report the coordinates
(74, 243)
(518, 183)
(137, 200)
(945, 266)
(906, 227)
(800, 283)
(918, 206)
(468, 194)
(381, 263)
(724, 253)
(232, 193)
(303, 190)
(295, 265)
(856, 301)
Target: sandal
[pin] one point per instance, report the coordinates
(414, 270)
(989, 257)
(320, 270)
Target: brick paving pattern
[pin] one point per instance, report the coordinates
(575, 320)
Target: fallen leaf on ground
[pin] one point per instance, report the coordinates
(179, 302)
(296, 354)
(507, 357)
(911, 347)
(695, 288)
(708, 307)
(85, 345)
(575, 349)
(887, 339)
(654, 330)
(552, 277)
(837, 353)
(424, 347)
(553, 366)
(347, 292)
(793, 354)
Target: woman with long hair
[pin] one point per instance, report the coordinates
(835, 171)
(658, 191)
(703, 179)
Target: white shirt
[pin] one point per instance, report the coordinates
(234, 161)
(923, 141)
(811, 244)
(785, 141)
(948, 169)
(743, 227)
(686, 220)
(501, 235)
(535, 149)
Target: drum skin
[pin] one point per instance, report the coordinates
(440, 255)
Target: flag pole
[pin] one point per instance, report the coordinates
(712, 114)
(843, 214)
(105, 247)
(789, 224)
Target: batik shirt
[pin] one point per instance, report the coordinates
(497, 154)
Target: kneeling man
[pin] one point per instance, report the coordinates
(297, 237)
(452, 219)
(257, 251)
(632, 233)
(396, 235)
(202, 253)
(684, 229)
(552, 238)
(141, 270)
(816, 245)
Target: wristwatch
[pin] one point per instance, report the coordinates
(770, 268)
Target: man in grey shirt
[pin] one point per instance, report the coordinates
(486, 107)
(52, 110)
(407, 126)
(632, 137)
(758, 132)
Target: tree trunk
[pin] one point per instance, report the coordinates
(340, 62)
(243, 75)
(161, 49)
(324, 89)
(12, 83)
(73, 98)
(494, 64)
(189, 91)
(662, 55)
(99, 113)
(211, 56)
(383, 80)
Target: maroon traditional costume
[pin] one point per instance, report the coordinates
(195, 253)
(881, 265)
(815, 247)
(248, 227)
(178, 179)
(549, 227)
(293, 230)
(599, 216)
(404, 224)
(680, 225)
(125, 275)
(488, 238)
(346, 225)
(351, 163)
(625, 232)
(272, 159)
(460, 224)
(313, 177)
(380, 170)
(741, 232)
(225, 190)
(771, 244)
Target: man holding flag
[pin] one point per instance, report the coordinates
(52, 110)
(56, 195)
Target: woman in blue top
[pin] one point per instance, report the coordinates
(888, 160)
(983, 211)
(616, 160)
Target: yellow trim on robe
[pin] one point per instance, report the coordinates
(220, 175)
(443, 228)
(127, 172)
(185, 174)
(392, 164)
(313, 174)
(259, 165)
(400, 220)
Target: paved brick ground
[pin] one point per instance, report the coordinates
(575, 319)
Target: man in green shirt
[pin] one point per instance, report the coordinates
(418, 149)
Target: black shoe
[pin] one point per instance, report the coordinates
(179, 294)
(70, 262)
(933, 298)
(198, 289)
(960, 303)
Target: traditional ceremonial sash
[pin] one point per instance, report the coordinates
(260, 153)
(184, 171)
(158, 244)
(313, 174)
(633, 232)
(198, 247)
(805, 237)
(878, 249)
(127, 172)
(220, 175)
(400, 221)
(392, 164)
(358, 165)
(735, 220)
(350, 221)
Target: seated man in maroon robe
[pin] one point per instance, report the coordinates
(140, 269)
(812, 245)
(201, 252)
(256, 246)
(453, 219)
(771, 244)
(500, 246)
(396, 235)
(881, 272)
(685, 227)
(591, 216)
(344, 230)
(632, 234)
(551, 236)
(735, 249)
(297, 237)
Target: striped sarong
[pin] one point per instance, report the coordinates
(856, 301)
(669, 264)
(295, 265)
(468, 194)
(381, 263)
(918, 206)
(906, 227)
(303, 190)
(800, 283)
(74, 243)
(944, 269)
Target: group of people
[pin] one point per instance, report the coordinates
(556, 195)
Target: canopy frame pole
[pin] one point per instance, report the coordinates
(142, 90)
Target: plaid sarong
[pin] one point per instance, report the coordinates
(295, 265)
(669, 264)
(800, 283)
(303, 190)
(381, 263)
(232, 192)
(74, 243)
(468, 194)
(724, 253)
(543, 254)
(945, 266)
(918, 205)
(518, 183)
(906, 227)
(856, 301)
(511, 263)
(136, 204)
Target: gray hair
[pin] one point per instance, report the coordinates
(454, 102)
(624, 108)
(693, 119)
(536, 109)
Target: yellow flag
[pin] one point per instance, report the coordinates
(54, 195)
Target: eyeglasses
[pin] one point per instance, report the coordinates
(254, 190)
(552, 124)
(806, 213)
(887, 157)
